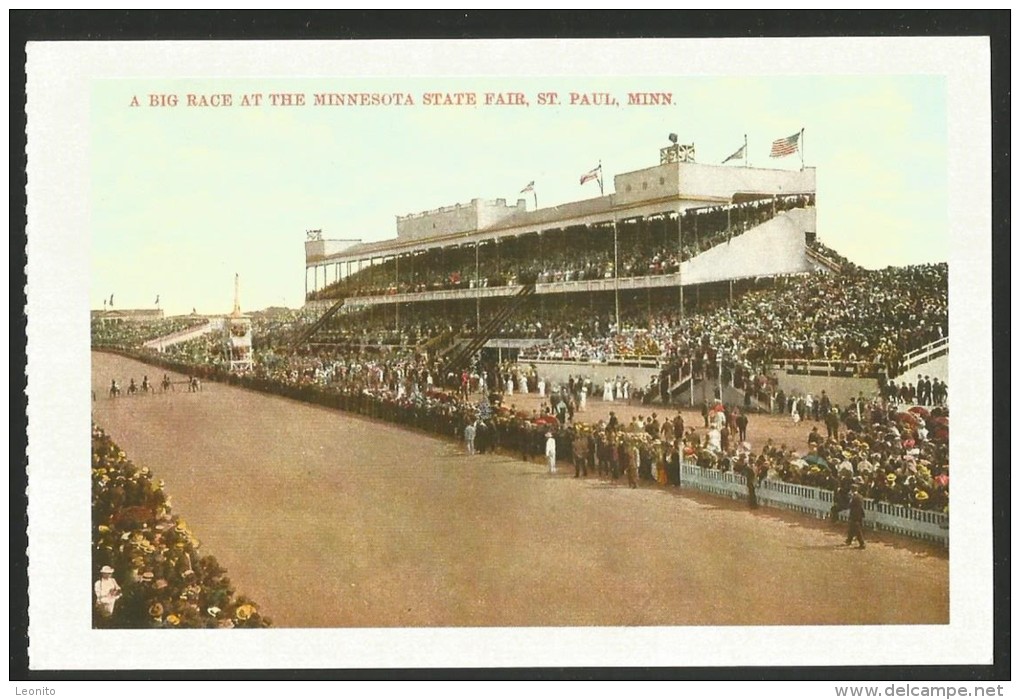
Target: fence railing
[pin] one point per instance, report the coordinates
(828, 368)
(816, 502)
(180, 336)
(652, 361)
(927, 353)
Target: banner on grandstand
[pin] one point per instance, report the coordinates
(787, 146)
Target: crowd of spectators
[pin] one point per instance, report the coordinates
(111, 332)
(147, 566)
(862, 322)
(859, 318)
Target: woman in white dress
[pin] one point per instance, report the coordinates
(607, 391)
(509, 386)
(584, 399)
(541, 387)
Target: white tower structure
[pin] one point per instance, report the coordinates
(239, 334)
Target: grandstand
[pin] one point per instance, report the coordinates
(623, 284)
(679, 233)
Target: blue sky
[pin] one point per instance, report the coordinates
(183, 197)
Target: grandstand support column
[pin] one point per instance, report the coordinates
(306, 283)
(616, 272)
(478, 299)
(719, 375)
(679, 267)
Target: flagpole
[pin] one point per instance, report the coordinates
(602, 190)
(802, 148)
(534, 193)
(745, 150)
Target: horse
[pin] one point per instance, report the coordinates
(114, 390)
(166, 384)
(132, 388)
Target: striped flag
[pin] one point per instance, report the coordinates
(737, 155)
(785, 147)
(685, 153)
(530, 187)
(593, 174)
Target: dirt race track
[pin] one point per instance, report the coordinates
(327, 520)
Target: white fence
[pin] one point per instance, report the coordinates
(816, 502)
(185, 334)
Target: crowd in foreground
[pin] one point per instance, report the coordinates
(892, 455)
(887, 454)
(147, 567)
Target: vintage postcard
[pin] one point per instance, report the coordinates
(508, 353)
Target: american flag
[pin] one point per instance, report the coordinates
(592, 174)
(785, 147)
(530, 187)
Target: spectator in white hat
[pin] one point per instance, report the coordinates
(107, 591)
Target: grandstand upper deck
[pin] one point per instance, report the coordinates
(666, 189)
(650, 252)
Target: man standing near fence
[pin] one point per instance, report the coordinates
(469, 437)
(550, 452)
(855, 530)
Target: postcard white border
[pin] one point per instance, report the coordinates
(59, 78)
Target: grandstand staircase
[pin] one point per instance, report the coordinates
(822, 260)
(320, 323)
(677, 382)
(930, 359)
(677, 386)
(464, 353)
(445, 340)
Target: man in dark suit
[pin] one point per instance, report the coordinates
(742, 426)
(855, 529)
